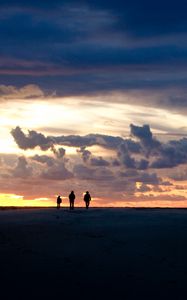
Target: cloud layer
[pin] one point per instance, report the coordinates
(134, 167)
(141, 152)
(91, 48)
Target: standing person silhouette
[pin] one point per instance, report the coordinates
(58, 201)
(87, 199)
(71, 200)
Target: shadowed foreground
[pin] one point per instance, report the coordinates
(122, 253)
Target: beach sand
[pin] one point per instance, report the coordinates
(96, 253)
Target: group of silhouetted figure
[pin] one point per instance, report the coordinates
(87, 199)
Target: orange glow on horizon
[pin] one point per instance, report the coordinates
(8, 200)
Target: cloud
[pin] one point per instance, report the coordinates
(99, 161)
(148, 178)
(171, 154)
(143, 188)
(85, 154)
(43, 159)
(59, 153)
(57, 172)
(32, 140)
(128, 161)
(143, 164)
(22, 169)
(129, 173)
(93, 173)
(144, 23)
(125, 155)
(26, 92)
(146, 153)
(141, 176)
(144, 134)
(83, 172)
(93, 161)
(97, 47)
(115, 175)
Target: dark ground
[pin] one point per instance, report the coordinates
(99, 253)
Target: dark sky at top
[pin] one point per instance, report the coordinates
(80, 47)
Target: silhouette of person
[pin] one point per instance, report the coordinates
(58, 201)
(87, 199)
(71, 200)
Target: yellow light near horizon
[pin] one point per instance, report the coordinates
(13, 200)
(17, 200)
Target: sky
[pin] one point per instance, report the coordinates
(93, 96)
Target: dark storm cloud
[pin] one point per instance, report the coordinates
(34, 139)
(31, 141)
(81, 47)
(127, 160)
(144, 134)
(143, 164)
(124, 147)
(171, 154)
(125, 156)
(146, 153)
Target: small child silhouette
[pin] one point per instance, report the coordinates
(59, 201)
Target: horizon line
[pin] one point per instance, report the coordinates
(93, 207)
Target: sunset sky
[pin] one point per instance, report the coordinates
(93, 96)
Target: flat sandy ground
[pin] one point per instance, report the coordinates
(99, 253)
